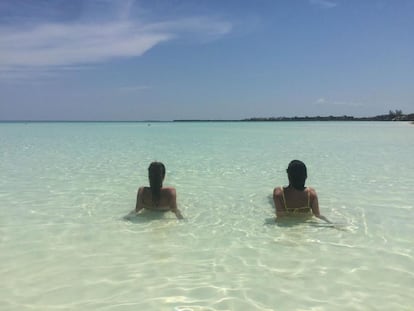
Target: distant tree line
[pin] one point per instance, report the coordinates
(396, 115)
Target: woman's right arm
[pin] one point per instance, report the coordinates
(139, 205)
(315, 206)
(173, 204)
(278, 201)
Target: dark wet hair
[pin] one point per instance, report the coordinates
(156, 174)
(297, 174)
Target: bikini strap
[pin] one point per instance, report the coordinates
(308, 198)
(283, 196)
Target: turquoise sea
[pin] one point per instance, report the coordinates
(65, 188)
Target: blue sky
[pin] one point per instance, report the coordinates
(165, 60)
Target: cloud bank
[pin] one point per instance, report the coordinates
(71, 44)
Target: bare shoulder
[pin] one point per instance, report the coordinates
(312, 192)
(277, 192)
(170, 191)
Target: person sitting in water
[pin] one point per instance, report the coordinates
(156, 197)
(296, 199)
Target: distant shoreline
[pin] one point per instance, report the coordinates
(385, 117)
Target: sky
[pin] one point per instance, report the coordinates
(138, 60)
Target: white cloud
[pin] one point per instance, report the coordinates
(51, 45)
(134, 88)
(206, 26)
(22, 74)
(63, 45)
(324, 4)
(323, 101)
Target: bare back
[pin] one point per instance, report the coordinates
(164, 204)
(291, 201)
(167, 201)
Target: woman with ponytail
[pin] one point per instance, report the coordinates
(296, 199)
(156, 197)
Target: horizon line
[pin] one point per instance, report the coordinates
(383, 117)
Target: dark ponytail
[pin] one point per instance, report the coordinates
(156, 174)
(297, 174)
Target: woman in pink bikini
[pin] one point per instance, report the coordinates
(296, 199)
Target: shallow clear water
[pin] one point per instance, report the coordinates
(65, 188)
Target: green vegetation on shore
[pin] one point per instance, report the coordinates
(396, 115)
